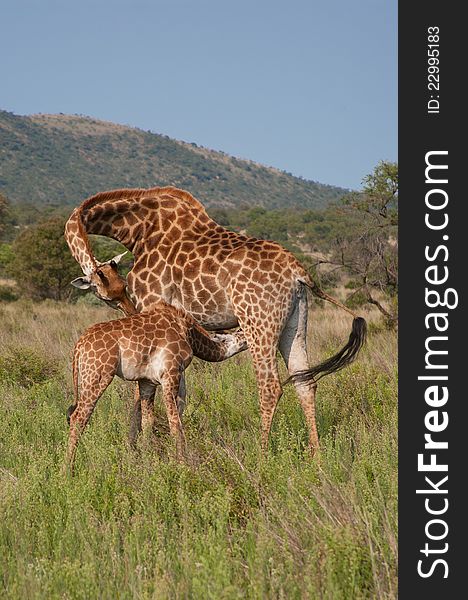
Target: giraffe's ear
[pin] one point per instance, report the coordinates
(115, 261)
(83, 283)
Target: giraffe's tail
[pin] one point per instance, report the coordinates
(314, 288)
(339, 360)
(75, 368)
(342, 358)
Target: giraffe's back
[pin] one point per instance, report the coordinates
(141, 346)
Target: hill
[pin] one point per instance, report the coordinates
(61, 159)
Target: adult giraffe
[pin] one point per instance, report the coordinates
(223, 279)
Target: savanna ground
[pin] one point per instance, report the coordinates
(229, 523)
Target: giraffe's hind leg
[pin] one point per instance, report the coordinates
(293, 348)
(269, 386)
(90, 393)
(262, 346)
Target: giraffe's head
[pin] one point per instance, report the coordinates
(107, 284)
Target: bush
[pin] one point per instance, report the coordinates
(43, 265)
(25, 367)
(8, 293)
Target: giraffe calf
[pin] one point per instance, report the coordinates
(150, 348)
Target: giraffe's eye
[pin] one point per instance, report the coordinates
(100, 274)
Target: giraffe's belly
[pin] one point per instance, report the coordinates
(210, 307)
(130, 370)
(147, 364)
(214, 319)
(206, 300)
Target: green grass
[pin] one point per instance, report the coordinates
(227, 524)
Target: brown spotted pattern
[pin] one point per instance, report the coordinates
(223, 279)
(150, 348)
(108, 285)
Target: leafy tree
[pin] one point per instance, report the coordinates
(42, 264)
(368, 252)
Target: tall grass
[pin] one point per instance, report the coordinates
(227, 524)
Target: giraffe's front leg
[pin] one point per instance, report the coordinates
(146, 392)
(170, 386)
(135, 419)
(181, 395)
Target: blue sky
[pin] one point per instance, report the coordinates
(306, 86)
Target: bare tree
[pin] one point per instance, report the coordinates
(368, 251)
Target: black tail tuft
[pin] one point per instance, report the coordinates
(341, 359)
(70, 411)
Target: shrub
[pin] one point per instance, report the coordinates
(8, 293)
(25, 367)
(42, 265)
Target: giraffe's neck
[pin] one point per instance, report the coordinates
(135, 218)
(215, 347)
(168, 232)
(77, 240)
